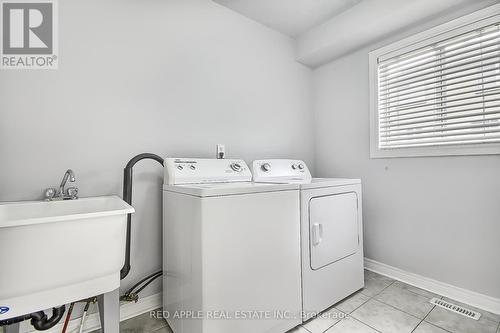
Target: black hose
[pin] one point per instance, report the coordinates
(159, 274)
(152, 277)
(132, 295)
(127, 197)
(39, 319)
(41, 322)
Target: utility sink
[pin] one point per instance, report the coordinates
(56, 252)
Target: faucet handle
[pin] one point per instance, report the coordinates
(72, 192)
(49, 193)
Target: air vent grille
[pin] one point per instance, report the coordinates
(456, 308)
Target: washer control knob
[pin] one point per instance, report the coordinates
(301, 166)
(193, 167)
(236, 167)
(180, 167)
(294, 166)
(266, 167)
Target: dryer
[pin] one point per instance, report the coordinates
(231, 252)
(331, 232)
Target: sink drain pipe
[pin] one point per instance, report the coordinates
(39, 319)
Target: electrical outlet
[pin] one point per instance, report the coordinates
(221, 151)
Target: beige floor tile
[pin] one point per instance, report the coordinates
(299, 329)
(352, 302)
(142, 323)
(374, 286)
(376, 276)
(428, 328)
(406, 301)
(350, 325)
(165, 329)
(324, 321)
(385, 318)
(416, 290)
(456, 323)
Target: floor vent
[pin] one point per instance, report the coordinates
(456, 308)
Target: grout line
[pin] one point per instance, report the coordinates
(427, 315)
(420, 295)
(390, 284)
(392, 306)
(160, 328)
(423, 318)
(373, 328)
(369, 298)
(334, 308)
(345, 316)
(376, 300)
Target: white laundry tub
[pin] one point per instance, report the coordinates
(56, 252)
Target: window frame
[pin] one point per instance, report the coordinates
(476, 20)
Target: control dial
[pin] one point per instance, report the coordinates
(301, 166)
(236, 167)
(266, 167)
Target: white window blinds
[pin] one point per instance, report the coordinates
(443, 94)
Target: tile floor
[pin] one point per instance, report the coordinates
(384, 305)
(389, 306)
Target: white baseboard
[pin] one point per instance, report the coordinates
(127, 310)
(469, 297)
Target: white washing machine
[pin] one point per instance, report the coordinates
(231, 252)
(331, 229)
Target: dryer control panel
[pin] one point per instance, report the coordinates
(205, 170)
(280, 170)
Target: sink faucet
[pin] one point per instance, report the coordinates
(63, 194)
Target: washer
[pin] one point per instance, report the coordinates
(331, 229)
(231, 249)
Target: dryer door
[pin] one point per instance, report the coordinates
(333, 228)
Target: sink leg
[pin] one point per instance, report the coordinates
(14, 328)
(109, 311)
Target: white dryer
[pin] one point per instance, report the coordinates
(331, 229)
(231, 257)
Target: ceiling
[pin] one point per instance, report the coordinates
(291, 17)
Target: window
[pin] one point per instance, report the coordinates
(438, 93)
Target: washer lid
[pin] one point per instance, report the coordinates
(223, 189)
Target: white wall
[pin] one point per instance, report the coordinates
(169, 77)
(438, 217)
